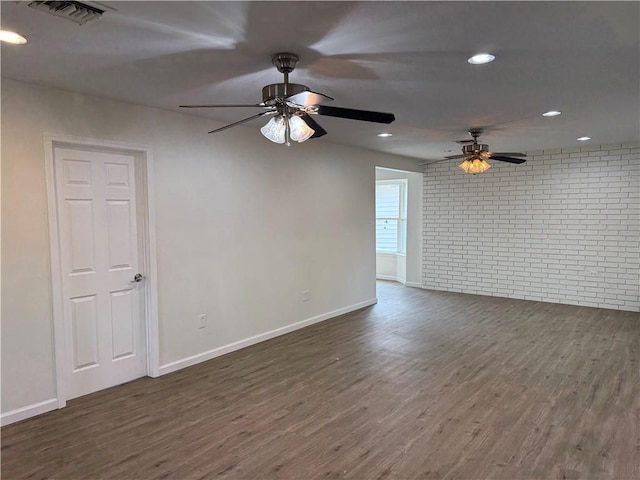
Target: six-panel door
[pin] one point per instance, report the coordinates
(96, 201)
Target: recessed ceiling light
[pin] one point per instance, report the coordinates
(552, 113)
(481, 58)
(385, 134)
(583, 139)
(12, 37)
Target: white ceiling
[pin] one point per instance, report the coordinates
(408, 58)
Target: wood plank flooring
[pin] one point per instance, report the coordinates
(424, 385)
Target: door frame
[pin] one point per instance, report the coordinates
(143, 156)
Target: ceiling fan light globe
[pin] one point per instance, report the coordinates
(465, 166)
(480, 166)
(299, 131)
(474, 165)
(275, 129)
(485, 165)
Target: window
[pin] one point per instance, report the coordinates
(391, 216)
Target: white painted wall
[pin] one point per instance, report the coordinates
(405, 268)
(563, 227)
(388, 266)
(243, 227)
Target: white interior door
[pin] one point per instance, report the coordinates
(103, 316)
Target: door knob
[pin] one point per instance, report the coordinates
(137, 278)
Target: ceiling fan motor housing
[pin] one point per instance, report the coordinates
(475, 148)
(275, 91)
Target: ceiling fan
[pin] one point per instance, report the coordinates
(476, 154)
(292, 106)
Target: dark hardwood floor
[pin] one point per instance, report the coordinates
(423, 385)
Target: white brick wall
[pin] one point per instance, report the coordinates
(563, 227)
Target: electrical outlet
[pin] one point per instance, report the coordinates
(305, 295)
(203, 320)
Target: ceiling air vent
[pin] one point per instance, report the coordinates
(76, 12)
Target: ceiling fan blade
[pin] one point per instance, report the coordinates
(318, 130)
(239, 122)
(509, 154)
(461, 142)
(363, 115)
(308, 98)
(451, 157)
(222, 106)
(507, 159)
(432, 162)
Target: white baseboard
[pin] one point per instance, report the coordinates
(217, 352)
(18, 414)
(388, 277)
(396, 279)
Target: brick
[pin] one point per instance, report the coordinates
(546, 230)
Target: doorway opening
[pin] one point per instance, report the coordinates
(399, 226)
